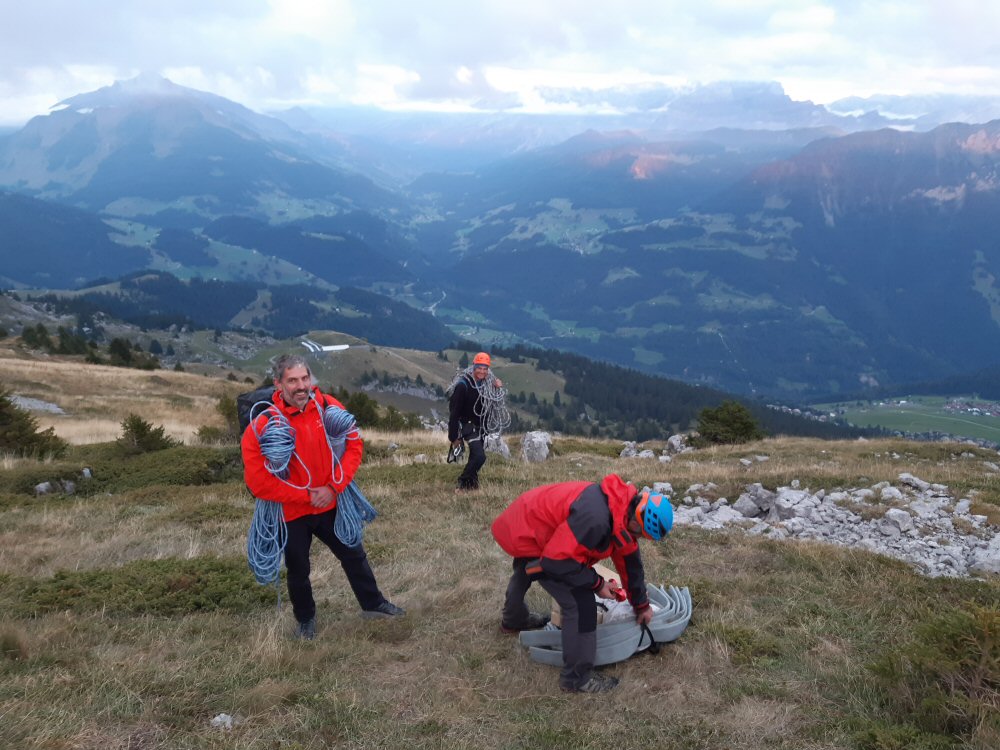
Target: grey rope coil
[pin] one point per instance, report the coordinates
(353, 508)
(491, 406)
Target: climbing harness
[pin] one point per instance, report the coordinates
(617, 641)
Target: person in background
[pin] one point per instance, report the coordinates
(471, 396)
(311, 511)
(556, 533)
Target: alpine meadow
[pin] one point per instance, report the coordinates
(777, 320)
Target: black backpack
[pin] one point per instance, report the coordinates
(245, 402)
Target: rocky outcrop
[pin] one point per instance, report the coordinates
(535, 446)
(675, 444)
(921, 523)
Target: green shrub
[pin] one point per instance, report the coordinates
(190, 465)
(19, 433)
(139, 436)
(208, 434)
(113, 473)
(226, 407)
(146, 587)
(882, 736)
(37, 337)
(730, 422)
(946, 679)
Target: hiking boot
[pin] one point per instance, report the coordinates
(598, 683)
(535, 621)
(306, 631)
(385, 609)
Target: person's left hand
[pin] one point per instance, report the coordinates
(498, 382)
(320, 497)
(645, 616)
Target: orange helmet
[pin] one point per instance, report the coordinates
(481, 359)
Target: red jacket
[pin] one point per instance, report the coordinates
(570, 526)
(312, 451)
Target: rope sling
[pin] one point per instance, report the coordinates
(490, 407)
(268, 534)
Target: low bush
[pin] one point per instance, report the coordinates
(111, 472)
(730, 422)
(146, 587)
(19, 433)
(946, 679)
(882, 736)
(139, 436)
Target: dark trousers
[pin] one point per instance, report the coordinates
(353, 560)
(579, 630)
(515, 611)
(579, 621)
(469, 478)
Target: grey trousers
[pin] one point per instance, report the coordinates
(515, 611)
(579, 621)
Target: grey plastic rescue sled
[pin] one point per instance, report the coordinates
(617, 641)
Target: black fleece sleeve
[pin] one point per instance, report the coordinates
(455, 410)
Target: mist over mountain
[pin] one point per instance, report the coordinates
(133, 146)
(724, 235)
(922, 112)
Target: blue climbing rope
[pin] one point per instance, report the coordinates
(353, 508)
(268, 534)
(266, 541)
(277, 442)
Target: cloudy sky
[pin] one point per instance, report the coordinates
(271, 54)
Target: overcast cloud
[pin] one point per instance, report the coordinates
(272, 54)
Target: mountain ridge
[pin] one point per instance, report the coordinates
(789, 263)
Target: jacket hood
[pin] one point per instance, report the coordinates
(619, 492)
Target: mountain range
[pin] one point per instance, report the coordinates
(727, 235)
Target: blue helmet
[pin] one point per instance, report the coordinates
(655, 514)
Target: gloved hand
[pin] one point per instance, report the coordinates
(644, 616)
(606, 591)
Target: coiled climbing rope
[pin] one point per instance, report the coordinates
(277, 442)
(265, 541)
(268, 534)
(491, 406)
(353, 508)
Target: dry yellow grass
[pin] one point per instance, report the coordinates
(775, 656)
(96, 398)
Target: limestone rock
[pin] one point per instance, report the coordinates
(535, 446)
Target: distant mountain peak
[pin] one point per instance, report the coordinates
(149, 83)
(120, 93)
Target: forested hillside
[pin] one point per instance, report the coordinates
(158, 300)
(606, 399)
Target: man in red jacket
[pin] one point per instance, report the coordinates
(555, 534)
(311, 510)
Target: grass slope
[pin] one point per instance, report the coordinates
(129, 620)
